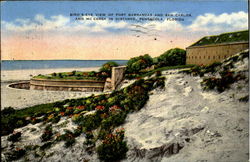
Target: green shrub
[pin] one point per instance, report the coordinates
(16, 154)
(113, 120)
(227, 78)
(209, 83)
(47, 134)
(160, 83)
(46, 145)
(212, 67)
(16, 136)
(53, 117)
(103, 133)
(196, 70)
(78, 131)
(20, 123)
(107, 68)
(131, 76)
(74, 72)
(68, 137)
(172, 57)
(7, 111)
(244, 99)
(89, 138)
(92, 74)
(158, 73)
(90, 122)
(10, 122)
(135, 64)
(60, 75)
(113, 147)
(69, 110)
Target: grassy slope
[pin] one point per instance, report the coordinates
(65, 76)
(238, 36)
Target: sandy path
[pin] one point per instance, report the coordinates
(210, 126)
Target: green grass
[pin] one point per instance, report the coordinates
(165, 68)
(16, 119)
(38, 109)
(238, 36)
(67, 78)
(77, 75)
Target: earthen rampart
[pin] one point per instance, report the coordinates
(66, 85)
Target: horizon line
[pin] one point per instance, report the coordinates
(71, 60)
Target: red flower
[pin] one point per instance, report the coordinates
(80, 107)
(62, 113)
(114, 108)
(33, 119)
(69, 108)
(99, 107)
(17, 149)
(119, 130)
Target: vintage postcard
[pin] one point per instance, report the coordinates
(126, 81)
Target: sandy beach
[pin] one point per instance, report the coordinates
(20, 98)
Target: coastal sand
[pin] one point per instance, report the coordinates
(210, 126)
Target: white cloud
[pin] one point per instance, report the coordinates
(219, 23)
(204, 23)
(40, 18)
(23, 21)
(61, 23)
(38, 24)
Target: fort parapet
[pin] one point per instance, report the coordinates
(75, 85)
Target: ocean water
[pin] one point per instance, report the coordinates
(50, 64)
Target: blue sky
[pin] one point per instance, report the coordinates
(28, 9)
(28, 27)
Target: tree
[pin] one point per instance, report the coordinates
(107, 67)
(172, 57)
(136, 64)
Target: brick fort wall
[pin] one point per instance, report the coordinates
(207, 54)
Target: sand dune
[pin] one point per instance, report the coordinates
(188, 123)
